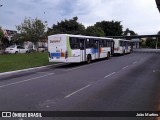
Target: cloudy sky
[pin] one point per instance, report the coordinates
(142, 16)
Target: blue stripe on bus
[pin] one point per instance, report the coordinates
(93, 51)
(55, 54)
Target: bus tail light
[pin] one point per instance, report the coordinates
(62, 54)
(66, 54)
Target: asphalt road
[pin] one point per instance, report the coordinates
(122, 83)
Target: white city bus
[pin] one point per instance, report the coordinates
(122, 46)
(77, 48)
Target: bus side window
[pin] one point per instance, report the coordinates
(82, 43)
(81, 46)
(96, 44)
(121, 43)
(74, 43)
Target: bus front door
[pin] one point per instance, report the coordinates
(97, 51)
(112, 47)
(82, 50)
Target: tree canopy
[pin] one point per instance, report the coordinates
(94, 31)
(71, 26)
(152, 42)
(129, 31)
(31, 30)
(1, 33)
(110, 28)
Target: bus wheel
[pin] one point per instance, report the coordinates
(123, 52)
(89, 59)
(108, 55)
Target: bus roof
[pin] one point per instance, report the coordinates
(121, 39)
(80, 36)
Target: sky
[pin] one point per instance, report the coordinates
(141, 16)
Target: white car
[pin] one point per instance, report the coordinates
(16, 49)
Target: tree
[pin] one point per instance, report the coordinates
(94, 31)
(150, 42)
(31, 30)
(1, 37)
(110, 28)
(1, 33)
(129, 31)
(153, 42)
(67, 27)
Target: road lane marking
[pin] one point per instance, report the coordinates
(135, 62)
(69, 95)
(109, 75)
(45, 73)
(74, 68)
(14, 83)
(125, 67)
(156, 70)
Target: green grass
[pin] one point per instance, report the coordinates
(10, 62)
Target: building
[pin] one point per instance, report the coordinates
(9, 34)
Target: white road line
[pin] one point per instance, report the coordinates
(81, 66)
(125, 67)
(45, 73)
(156, 70)
(135, 62)
(74, 68)
(14, 83)
(109, 75)
(69, 95)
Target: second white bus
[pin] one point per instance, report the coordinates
(122, 46)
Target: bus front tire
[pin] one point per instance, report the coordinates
(108, 55)
(123, 52)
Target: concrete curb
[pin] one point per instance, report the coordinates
(28, 69)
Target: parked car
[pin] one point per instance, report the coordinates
(16, 49)
(32, 48)
(42, 49)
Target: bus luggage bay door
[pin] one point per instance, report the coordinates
(82, 50)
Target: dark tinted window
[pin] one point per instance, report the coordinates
(121, 43)
(20, 47)
(89, 43)
(74, 43)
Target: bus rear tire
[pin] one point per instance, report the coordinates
(123, 52)
(89, 59)
(108, 55)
